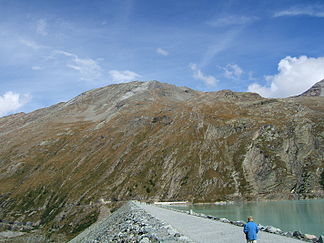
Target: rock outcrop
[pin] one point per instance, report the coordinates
(154, 141)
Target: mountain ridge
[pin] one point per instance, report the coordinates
(155, 141)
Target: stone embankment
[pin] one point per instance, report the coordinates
(140, 222)
(130, 223)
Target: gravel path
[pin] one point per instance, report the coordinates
(205, 230)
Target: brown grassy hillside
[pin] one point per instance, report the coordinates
(154, 141)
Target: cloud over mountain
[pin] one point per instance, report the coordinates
(295, 75)
(233, 71)
(11, 101)
(123, 76)
(199, 75)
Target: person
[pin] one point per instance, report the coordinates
(251, 229)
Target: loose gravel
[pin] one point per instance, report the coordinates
(130, 223)
(145, 223)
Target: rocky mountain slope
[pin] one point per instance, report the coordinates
(155, 141)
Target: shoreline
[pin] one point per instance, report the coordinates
(229, 201)
(204, 228)
(145, 223)
(268, 228)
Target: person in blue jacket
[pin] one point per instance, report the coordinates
(251, 229)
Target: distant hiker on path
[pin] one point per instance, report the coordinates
(251, 230)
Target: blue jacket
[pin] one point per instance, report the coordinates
(251, 230)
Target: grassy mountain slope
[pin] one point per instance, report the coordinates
(155, 141)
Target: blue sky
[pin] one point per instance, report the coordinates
(51, 51)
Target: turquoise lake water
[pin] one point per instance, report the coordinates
(306, 216)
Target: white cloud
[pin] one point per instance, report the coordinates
(295, 75)
(65, 53)
(41, 27)
(162, 52)
(11, 101)
(48, 57)
(310, 10)
(88, 68)
(123, 76)
(231, 20)
(36, 68)
(198, 74)
(233, 71)
(31, 44)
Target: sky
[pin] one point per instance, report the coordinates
(51, 51)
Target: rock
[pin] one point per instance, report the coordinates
(10, 234)
(261, 227)
(297, 234)
(145, 240)
(310, 237)
(287, 234)
(239, 223)
(172, 231)
(273, 230)
(224, 220)
(130, 224)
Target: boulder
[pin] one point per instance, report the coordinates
(297, 234)
(273, 230)
(212, 217)
(321, 239)
(224, 220)
(288, 234)
(238, 223)
(310, 237)
(261, 227)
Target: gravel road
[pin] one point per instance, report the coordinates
(206, 230)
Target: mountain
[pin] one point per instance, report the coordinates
(154, 141)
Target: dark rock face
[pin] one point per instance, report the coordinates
(154, 141)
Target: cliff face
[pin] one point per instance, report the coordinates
(154, 141)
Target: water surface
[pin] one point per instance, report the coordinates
(306, 216)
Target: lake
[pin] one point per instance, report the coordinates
(306, 216)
